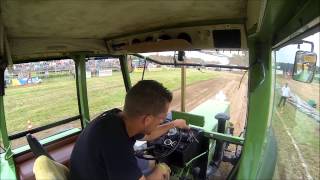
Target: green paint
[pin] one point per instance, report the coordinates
(305, 12)
(269, 157)
(190, 118)
(82, 88)
(209, 109)
(224, 137)
(125, 72)
(7, 170)
(280, 20)
(260, 106)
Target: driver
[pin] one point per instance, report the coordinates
(104, 149)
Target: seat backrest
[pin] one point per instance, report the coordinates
(46, 168)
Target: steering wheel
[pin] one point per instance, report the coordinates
(142, 155)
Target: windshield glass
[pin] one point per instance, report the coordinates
(202, 57)
(296, 115)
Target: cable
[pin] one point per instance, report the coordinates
(190, 162)
(195, 158)
(242, 79)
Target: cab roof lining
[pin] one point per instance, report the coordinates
(105, 19)
(53, 28)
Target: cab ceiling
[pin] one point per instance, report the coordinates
(105, 19)
(54, 28)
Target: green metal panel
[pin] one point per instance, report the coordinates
(209, 109)
(81, 81)
(280, 20)
(125, 72)
(260, 108)
(305, 11)
(224, 137)
(190, 118)
(269, 157)
(7, 170)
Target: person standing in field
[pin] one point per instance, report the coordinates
(285, 94)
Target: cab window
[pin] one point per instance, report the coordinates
(38, 94)
(105, 85)
(296, 112)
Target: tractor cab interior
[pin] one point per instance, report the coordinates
(75, 41)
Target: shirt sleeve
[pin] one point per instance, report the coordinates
(121, 163)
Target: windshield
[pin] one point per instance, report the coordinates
(202, 57)
(296, 115)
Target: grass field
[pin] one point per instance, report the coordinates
(304, 132)
(55, 99)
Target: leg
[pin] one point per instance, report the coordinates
(146, 166)
(284, 101)
(281, 99)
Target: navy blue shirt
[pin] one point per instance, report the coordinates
(104, 151)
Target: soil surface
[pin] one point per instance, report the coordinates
(235, 92)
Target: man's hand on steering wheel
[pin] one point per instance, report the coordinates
(180, 123)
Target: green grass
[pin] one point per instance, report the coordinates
(305, 132)
(55, 98)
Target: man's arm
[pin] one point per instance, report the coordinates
(164, 128)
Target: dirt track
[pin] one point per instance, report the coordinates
(229, 84)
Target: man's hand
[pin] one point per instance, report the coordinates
(160, 172)
(164, 128)
(180, 123)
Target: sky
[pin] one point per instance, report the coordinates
(287, 53)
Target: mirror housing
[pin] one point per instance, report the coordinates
(304, 66)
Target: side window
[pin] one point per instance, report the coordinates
(105, 85)
(38, 94)
(296, 114)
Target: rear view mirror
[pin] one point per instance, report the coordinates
(304, 66)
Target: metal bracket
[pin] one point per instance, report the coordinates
(263, 70)
(3, 66)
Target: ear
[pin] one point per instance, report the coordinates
(147, 119)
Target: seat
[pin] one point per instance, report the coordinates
(46, 168)
(60, 150)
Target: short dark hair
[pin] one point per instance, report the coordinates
(146, 97)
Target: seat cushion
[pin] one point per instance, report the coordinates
(45, 168)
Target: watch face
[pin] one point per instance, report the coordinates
(172, 132)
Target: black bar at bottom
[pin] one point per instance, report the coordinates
(48, 126)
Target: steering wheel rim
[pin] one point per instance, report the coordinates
(140, 155)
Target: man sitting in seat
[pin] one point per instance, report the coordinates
(104, 149)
